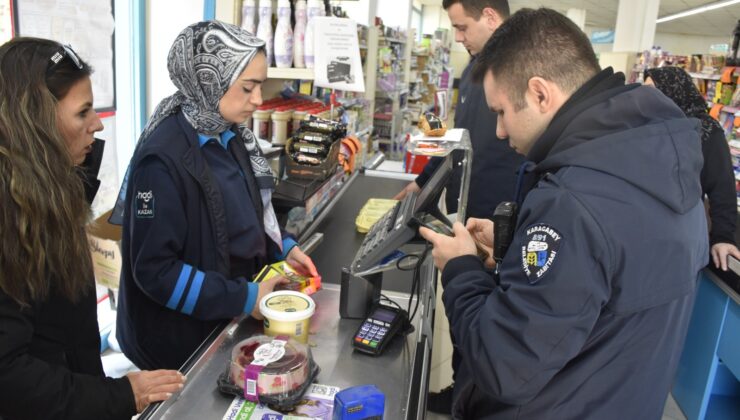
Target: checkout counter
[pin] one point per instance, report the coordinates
(401, 372)
(707, 384)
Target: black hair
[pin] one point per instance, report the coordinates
(474, 8)
(532, 43)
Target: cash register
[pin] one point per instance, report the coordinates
(398, 226)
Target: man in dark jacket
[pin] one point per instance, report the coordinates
(474, 22)
(594, 296)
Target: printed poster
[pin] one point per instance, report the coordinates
(337, 63)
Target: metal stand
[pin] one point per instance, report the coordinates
(358, 294)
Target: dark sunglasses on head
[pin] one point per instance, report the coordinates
(58, 57)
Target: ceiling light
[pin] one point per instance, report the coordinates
(697, 10)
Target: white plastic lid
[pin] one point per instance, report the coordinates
(287, 305)
(284, 3)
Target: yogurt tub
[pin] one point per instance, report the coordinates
(287, 313)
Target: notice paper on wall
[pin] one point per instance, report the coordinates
(6, 21)
(337, 63)
(86, 25)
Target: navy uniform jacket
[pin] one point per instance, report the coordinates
(596, 290)
(493, 174)
(179, 281)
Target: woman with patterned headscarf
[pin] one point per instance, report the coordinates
(198, 221)
(717, 176)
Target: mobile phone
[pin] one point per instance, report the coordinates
(436, 226)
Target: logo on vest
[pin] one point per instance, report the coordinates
(144, 205)
(539, 251)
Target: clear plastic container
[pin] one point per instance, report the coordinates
(275, 371)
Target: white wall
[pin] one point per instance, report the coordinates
(395, 13)
(359, 11)
(688, 44)
(165, 19)
(679, 44)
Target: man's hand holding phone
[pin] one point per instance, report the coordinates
(482, 232)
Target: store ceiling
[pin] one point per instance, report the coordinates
(603, 14)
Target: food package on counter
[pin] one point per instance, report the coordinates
(275, 371)
(432, 125)
(319, 125)
(297, 281)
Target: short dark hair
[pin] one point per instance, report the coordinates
(532, 43)
(474, 8)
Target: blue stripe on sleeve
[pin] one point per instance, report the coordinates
(182, 281)
(253, 290)
(193, 293)
(288, 244)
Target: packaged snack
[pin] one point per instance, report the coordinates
(431, 125)
(305, 159)
(313, 137)
(318, 149)
(319, 125)
(298, 282)
(274, 371)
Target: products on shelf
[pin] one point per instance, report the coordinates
(283, 36)
(249, 13)
(313, 10)
(313, 150)
(299, 34)
(264, 29)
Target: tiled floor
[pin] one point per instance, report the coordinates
(441, 373)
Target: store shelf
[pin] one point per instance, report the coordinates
(396, 40)
(289, 73)
(705, 76)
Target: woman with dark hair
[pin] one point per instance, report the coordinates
(198, 221)
(717, 176)
(50, 363)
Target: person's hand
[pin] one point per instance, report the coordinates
(412, 187)
(449, 247)
(265, 288)
(482, 232)
(150, 386)
(720, 253)
(301, 262)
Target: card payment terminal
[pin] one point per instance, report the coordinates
(379, 328)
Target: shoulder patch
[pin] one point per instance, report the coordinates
(539, 251)
(144, 204)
